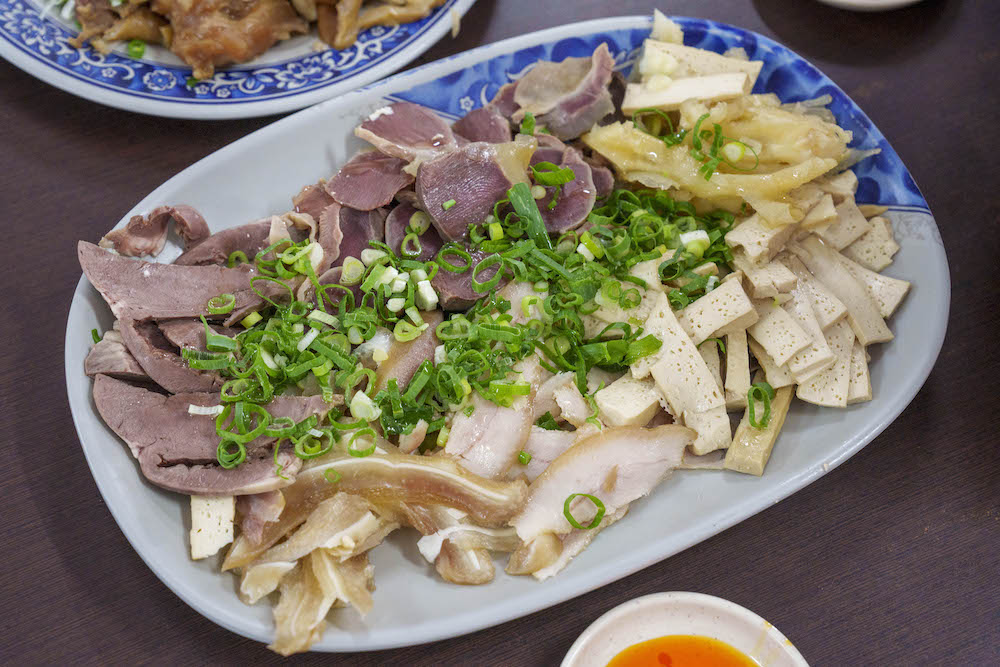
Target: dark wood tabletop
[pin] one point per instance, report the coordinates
(891, 559)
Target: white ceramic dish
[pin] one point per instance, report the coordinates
(869, 5)
(290, 75)
(257, 176)
(661, 614)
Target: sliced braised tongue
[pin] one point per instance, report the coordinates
(140, 290)
(368, 181)
(177, 450)
(190, 333)
(484, 124)
(460, 188)
(407, 131)
(162, 362)
(568, 97)
(146, 235)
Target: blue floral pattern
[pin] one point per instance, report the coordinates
(45, 39)
(882, 179)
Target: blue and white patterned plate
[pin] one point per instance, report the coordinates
(291, 75)
(412, 605)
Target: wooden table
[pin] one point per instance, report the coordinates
(891, 559)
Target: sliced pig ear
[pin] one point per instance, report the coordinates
(146, 235)
(368, 181)
(407, 131)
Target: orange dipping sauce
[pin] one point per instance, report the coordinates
(682, 651)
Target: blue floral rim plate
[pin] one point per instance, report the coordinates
(412, 605)
(291, 75)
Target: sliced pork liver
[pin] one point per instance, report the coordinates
(140, 290)
(146, 235)
(216, 249)
(312, 199)
(368, 181)
(569, 97)
(455, 289)
(473, 177)
(407, 131)
(576, 198)
(484, 124)
(190, 333)
(177, 450)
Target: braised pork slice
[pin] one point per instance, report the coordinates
(408, 131)
(146, 235)
(219, 32)
(368, 181)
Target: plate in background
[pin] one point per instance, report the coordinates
(290, 75)
(412, 604)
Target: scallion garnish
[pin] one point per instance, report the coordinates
(220, 305)
(95, 336)
(523, 457)
(448, 204)
(762, 392)
(528, 124)
(136, 48)
(597, 517)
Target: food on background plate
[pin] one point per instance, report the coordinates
(499, 332)
(210, 33)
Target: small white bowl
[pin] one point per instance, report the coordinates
(663, 614)
(869, 5)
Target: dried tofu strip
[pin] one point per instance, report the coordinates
(710, 353)
(874, 250)
(711, 461)
(758, 241)
(849, 226)
(737, 382)
(777, 376)
(860, 389)
(751, 447)
(688, 61)
(776, 331)
(887, 292)
(862, 312)
(770, 281)
(817, 357)
(713, 429)
(828, 307)
(708, 88)
(823, 213)
(628, 401)
(212, 524)
(725, 307)
(844, 184)
(832, 386)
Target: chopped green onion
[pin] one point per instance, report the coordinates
(526, 209)
(136, 48)
(405, 332)
(597, 517)
(236, 257)
(549, 174)
(722, 346)
(763, 392)
(443, 434)
(352, 272)
(334, 479)
(454, 249)
(548, 422)
(95, 335)
(222, 304)
(496, 231)
(483, 265)
(448, 204)
(524, 458)
(420, 222)
(251, 319)
(325, 318)
(191, 82)
(369, 434)
(528, 124)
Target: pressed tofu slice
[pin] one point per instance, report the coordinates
(713, 429)
(863, 312)
(823, 213)
(709, 351)
(827, 306)
(769, 281)
(887, 292)
(849, 226)
(751, 447)
(737, 370)
(725, 307)
(678, 369)
(832, 386)
(628, 401)
(212, 524)
(844, 184)
(860, 388)
(776, 331)
(817, 357)
(759, 242)
(697, 62)
(777, 376)
(874, 250)
(709, 88)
